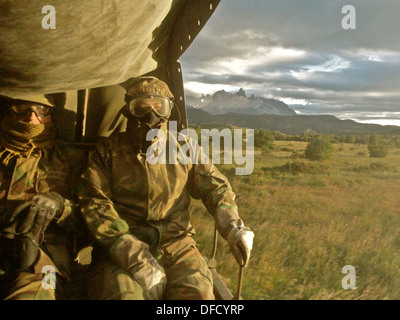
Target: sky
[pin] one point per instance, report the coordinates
(297, 51)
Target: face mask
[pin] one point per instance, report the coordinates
(151, 119)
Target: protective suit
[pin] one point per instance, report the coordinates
(37, 206)
(138, 210)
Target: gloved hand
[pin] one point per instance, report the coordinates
(133, 255)
(152, 279)
(42, 210)
(29, 222)
(240, 241)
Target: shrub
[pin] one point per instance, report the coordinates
(264, 139)
(266, 149)
(295, 167)
(375, 167)
(350, 139)
(297, 155)
(377, 147)
(319, 148)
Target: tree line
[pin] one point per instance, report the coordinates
(320, 146)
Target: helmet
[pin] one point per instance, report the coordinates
(142, 85)
(44, 99)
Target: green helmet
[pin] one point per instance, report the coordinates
(142, 85)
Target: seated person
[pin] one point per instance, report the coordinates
(138, 212)
(37, 210)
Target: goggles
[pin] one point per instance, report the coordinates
(24, 108)
(141, 105)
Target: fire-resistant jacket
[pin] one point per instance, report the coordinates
(122, 188)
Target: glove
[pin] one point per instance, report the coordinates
(24, 235)
(152, 279)
(133, 255)
(231, 227)
(42, 210)
(240, 241)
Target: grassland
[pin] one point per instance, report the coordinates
(311, 219)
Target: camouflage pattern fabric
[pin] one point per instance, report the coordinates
(107, 281)
(120, 189)
(28, 285)
(20, 180)
(188, 275)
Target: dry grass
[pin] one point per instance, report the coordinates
(311, 222)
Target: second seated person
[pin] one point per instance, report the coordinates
(138, 212)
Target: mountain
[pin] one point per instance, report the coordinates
(222, 102)
(294, 124)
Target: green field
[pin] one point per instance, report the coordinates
(312, 218)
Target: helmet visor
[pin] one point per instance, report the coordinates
(23, 108)
(140, 106)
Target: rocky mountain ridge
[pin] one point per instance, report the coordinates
(222, 102)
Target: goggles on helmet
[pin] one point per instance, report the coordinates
(141, 105)
(24, 108)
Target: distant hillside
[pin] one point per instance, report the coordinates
(222, 102)
(294, 124)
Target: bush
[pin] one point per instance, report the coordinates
(295, 167)
(319, 148)
(375, 167)
(297, 155)
(350, 139)
(377, 147)
(264, 139)
(265, 150)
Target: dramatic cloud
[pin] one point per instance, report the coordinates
(298, 52)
